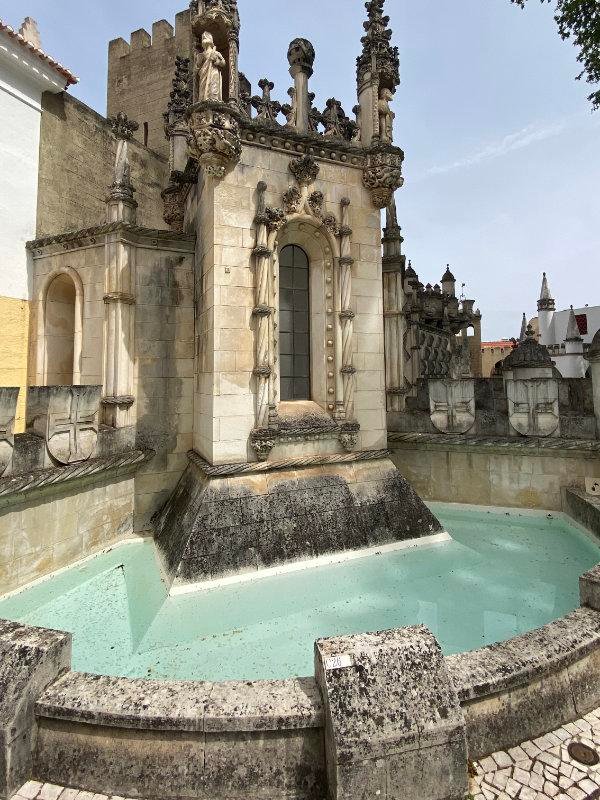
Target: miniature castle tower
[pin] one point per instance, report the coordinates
(290, 367)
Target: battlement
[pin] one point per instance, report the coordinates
(140, 73)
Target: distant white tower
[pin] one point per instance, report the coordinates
(546, 309)
(573, 365)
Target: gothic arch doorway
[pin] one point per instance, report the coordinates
(294, 324)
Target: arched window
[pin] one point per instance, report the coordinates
(294, 324)
(59, 331)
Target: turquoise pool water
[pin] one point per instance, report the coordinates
(504, 574)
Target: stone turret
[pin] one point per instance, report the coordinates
(449, 283)
(546, 309)
(573, 365)
(523, 333)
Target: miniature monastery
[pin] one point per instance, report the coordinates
(220, 348)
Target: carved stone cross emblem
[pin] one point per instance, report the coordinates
(67, 416)
(8, 410)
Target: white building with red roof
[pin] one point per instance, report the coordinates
(26, 72)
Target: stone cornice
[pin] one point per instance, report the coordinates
(18, 488)
(92, 236)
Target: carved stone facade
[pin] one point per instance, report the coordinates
(8, 412)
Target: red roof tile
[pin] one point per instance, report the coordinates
(67, 74)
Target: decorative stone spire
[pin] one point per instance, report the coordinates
(392, 241)
(181, 94)
(121, 205)
(523, 333)
(573, 334)
(546, 302)
(378, 59)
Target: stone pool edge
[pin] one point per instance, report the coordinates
(278, 733)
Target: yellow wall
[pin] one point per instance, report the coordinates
(14, 335)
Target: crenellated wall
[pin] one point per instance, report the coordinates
(140, 75)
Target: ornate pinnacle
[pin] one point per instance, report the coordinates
(181, 94)
(377, 48)
(122, 127)
(267, 109)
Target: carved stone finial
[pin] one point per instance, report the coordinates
(378, 55)
(224, 12)
(337, 124)
(181, 94)
(291, 109)
(267, 108)
(305, 170)
(122, 127)
(301, 55)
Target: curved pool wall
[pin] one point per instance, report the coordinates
(298, 738)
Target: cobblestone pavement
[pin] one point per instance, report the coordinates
(537, 770)
(542, 769)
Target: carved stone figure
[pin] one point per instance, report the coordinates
(209, 63)
(67, 417)
(386, 116)
(383, 174)
(452, 405)
(358, 130)
(8, 411)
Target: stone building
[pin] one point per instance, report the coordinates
(27, 75)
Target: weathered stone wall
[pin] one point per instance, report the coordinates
(163, 356)
(140, 76)
(61, 525)
(510, 474)
(77, 156)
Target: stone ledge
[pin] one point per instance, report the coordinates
(584, 508)
(17, 488)
(509, 665)
(566, 448)
(89, 236)
(186, 706)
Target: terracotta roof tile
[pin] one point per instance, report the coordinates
(67, 74)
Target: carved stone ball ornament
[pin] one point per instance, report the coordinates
(301, 54)
(383, 174)
(214, 140)
(305, 170)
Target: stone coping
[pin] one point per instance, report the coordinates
(15, 488)
(188, 706)
(78, 237)
(497, 444)
(255, 467)
(527, 658)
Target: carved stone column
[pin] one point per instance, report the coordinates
(119, 295)
(346, 313)
(301, 57)
(393, 297)
(262, 312)
(234, 72)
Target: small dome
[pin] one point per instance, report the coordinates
(594, 351)
(448, 276)
(529, 353)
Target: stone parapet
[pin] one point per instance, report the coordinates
(390, 707)
(30, 660)
(521, 688)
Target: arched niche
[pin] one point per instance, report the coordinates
(320, 249)
(60, 327)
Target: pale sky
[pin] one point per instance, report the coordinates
(502, 150)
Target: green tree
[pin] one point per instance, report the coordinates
(579, 20)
